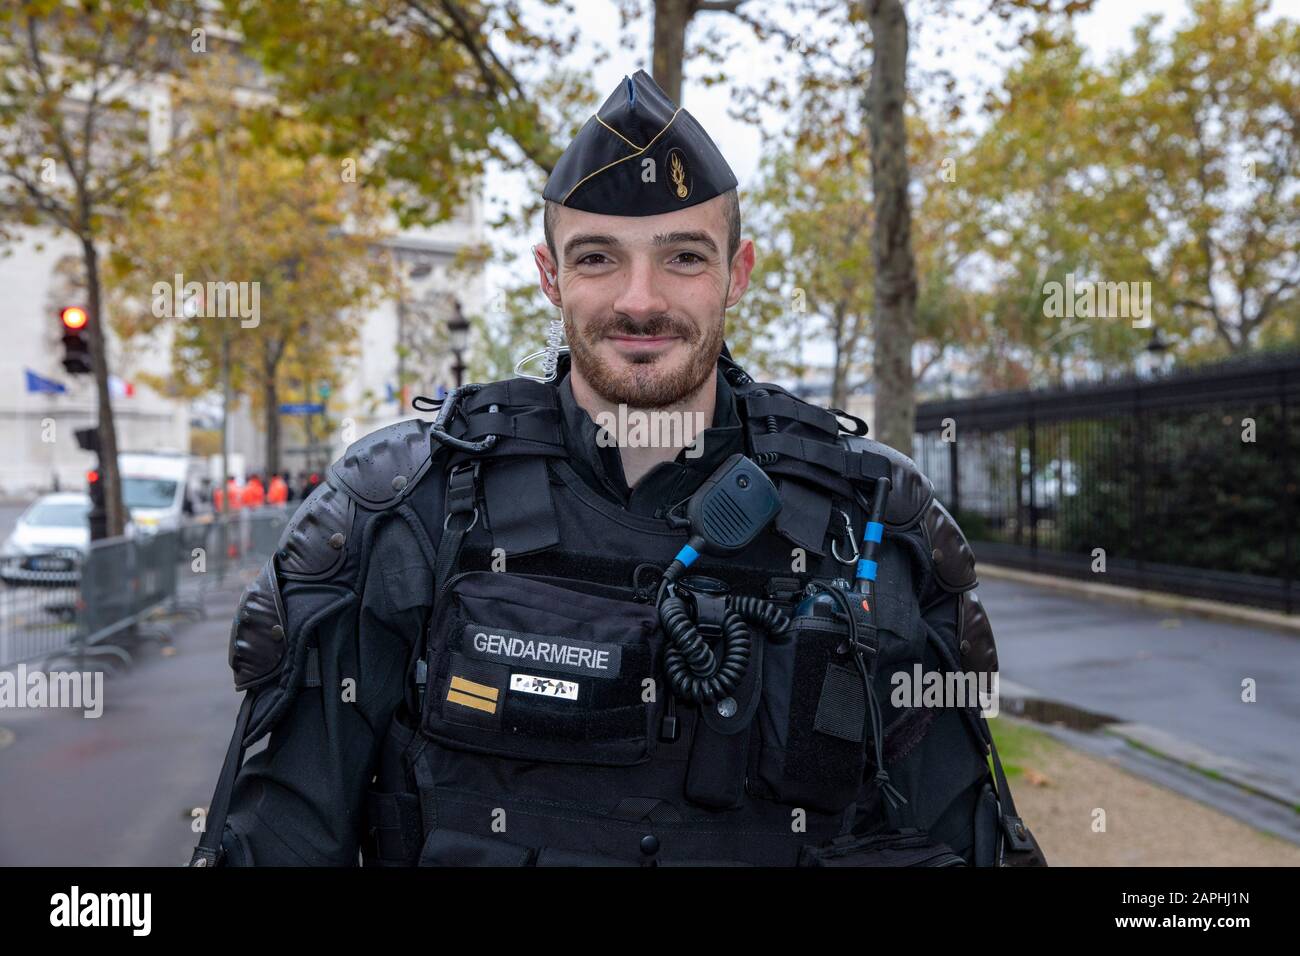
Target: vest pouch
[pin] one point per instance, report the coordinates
(908, 847)
(445, 847)
(540, 669)
(812, 719)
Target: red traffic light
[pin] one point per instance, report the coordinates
(92, 476)
(74, 317)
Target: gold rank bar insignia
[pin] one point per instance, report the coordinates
(469, 693)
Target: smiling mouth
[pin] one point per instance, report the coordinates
(643, 341)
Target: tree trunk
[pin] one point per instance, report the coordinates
(109, 474)
(671, 19)
(891, 244)
(271, 395)
(226, 399)
(839, 369)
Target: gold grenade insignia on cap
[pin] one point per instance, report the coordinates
(677, 172)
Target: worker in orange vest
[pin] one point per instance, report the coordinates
(254, 492)
(278, 492)
(232, 494)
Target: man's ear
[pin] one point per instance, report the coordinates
(741, 266)
(546, 272)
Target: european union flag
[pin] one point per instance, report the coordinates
(39, 384)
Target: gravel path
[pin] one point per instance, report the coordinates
(1059, 789)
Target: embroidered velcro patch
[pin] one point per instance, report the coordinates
(566, 654)
(468, 693)
(546, 686)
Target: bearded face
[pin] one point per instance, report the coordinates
(652, 364)
(644, 300)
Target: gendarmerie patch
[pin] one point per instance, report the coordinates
(545, 686)
(565, 654)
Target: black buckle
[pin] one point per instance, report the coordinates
(462, 492)
(1016, 833)
(867, 637)
(203, 856)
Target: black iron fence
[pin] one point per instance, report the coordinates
(101, 602)
(1184, 483)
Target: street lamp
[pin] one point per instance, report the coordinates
(1156, 351)
(458, 335)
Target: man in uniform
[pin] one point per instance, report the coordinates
(478, 642)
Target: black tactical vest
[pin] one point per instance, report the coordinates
(539, 729)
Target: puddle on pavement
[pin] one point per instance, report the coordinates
(1043, 711)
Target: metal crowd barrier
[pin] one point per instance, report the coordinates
(39, 595)
(125, 590)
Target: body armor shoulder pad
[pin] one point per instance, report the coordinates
(267, 658)
(312, 546)
(954, 561)
(376, 472)
(257, 636)
(380, 469)
(912, 498)
(911, 492)
(979, 652)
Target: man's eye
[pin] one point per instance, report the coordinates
(694, 258)
(586, 260)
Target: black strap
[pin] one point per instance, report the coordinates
(539, 425)
(427, 788)
(208, 851)
(462, 499)
(1017, 835)
(395, 824)
(311, 669)
(832, 457)
(513, 392)
(783, 406)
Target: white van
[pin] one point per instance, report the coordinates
(161, 489)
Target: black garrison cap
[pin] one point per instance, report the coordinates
(640, 155)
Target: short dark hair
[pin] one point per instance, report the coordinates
(730, 210)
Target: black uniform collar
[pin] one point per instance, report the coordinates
(667, 483)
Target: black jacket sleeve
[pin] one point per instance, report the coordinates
(348, 640)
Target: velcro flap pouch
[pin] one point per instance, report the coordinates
(812, 718)
(899, 848)
(535, 668)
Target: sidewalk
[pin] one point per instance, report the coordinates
(117, 790)
(1164, 680)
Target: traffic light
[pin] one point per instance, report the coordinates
(76, 351)
(88, 440)
(98, 510)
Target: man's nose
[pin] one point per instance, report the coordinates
(641, 297)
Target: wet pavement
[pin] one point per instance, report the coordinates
(1169, 683)
(119, 789)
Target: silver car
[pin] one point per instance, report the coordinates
(49, 542)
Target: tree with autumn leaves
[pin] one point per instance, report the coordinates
(244, 203)
(1174, 163)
